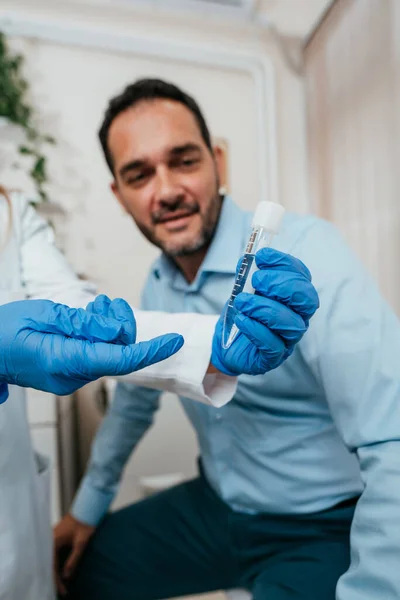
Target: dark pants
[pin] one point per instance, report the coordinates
(186, 541)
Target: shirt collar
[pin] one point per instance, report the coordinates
(227, 244)
(226, 247)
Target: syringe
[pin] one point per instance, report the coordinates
(266, 223)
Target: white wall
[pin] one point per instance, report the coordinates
(102, 238)
(71, 85)
(353, 98)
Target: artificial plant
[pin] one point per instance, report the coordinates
(15, 108)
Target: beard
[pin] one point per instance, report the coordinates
(201, 239)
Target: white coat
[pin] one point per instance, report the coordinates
(31, 266)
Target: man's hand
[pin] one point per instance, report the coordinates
(272, 320)
(70, 540)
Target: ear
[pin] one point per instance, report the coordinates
(220, 162)
(116, 192)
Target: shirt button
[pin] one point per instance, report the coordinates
(218, 417)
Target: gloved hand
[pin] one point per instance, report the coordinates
(117, 310)
(271, 321)
(58, 349)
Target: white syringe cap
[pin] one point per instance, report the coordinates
(268, 215)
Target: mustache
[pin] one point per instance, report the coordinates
(175, 211)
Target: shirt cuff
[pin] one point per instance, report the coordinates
(185, 373)
(219, 389)
(91, 504)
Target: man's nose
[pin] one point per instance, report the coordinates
(168, 192)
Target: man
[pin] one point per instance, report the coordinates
(296, 453)
(32, 267)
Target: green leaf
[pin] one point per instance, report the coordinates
(38, 171)
(25, 150)
(15, 107)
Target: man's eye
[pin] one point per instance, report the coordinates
(136, 178)
(188, 162)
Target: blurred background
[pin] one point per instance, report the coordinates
(302, 95)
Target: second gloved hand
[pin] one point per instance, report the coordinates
(271, 321)
(58, 349)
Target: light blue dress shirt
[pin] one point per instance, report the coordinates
(323, 427)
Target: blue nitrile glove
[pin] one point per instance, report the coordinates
(3, 392)
(118, 310)
(58, 349)
(271, 321)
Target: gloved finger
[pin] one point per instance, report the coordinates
(276, 316)
(292, 289)
(3, 392)
(99, 305)
(271, 346)
(269, 258)
(118, 309)
(75, 323)
(98, 360)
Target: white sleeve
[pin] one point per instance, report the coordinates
(45, 273)
(187, 370)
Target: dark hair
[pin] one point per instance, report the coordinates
(145, 90)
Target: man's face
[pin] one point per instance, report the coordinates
(165, 176)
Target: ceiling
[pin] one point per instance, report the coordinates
(291, 17)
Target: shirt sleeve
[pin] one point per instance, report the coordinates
(45, 273)
(353, 347)
(130, 415)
